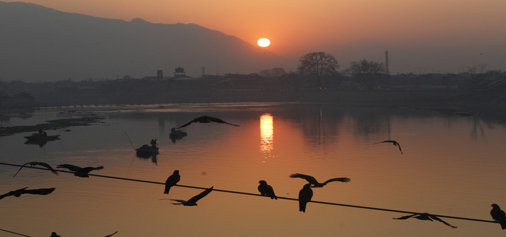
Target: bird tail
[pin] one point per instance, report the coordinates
(503, 225)
(302, 206)
(167, 189)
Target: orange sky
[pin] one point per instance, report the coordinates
(296, 25)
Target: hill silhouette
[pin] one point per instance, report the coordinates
(43, 44)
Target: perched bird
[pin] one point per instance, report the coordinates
(206, 119)
(171, 181)
(193, 201)
(78, 171)
(425, 217)
(315, 183)
(19, 192)
(34, 163)
(498, 215)
(305, 195)
(395, 143)
(266, 190)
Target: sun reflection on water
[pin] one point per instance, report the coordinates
(266, 133)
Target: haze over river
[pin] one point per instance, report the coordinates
(451, 165)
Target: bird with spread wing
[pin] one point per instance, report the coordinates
(19, 192)
(395, 143)
(425, 217)
(206, 119)
(193, 201)
(316, 184)
(34, 163)
(78, 171)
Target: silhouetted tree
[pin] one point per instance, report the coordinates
(364, 67)
(366, 72)
(318, 64)
(275, 72)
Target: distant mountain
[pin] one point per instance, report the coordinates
(43, 44)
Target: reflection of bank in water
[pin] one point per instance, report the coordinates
(266, 133)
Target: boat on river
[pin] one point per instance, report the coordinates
(42, 137)
(147, 149)
(177, 133)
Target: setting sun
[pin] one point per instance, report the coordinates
(263, 42)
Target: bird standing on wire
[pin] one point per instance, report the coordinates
(498, 215)
(193, 201)
(425, 217)
(266, 190)
(305, 195)
(19, 192)
(34, 163)
(171, 181)
(316, 184)
(206, 119)
(395, 143)
(78, 171)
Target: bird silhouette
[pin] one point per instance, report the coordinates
(19, 192)
(111, 234)
(34, 163)
(206, 119)
(53, 234)
(305, 195)
(425, 217)
(266, 190)
(78, 171)
(498, 215)
(171, 181)
(395, 143)
(193, 201)
(316, 184)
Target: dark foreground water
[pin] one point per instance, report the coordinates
(452, 165)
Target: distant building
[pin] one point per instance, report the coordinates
(179, 72)
(159, 74)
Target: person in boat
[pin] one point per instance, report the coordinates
(42, 132)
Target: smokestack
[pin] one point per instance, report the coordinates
(387, 71)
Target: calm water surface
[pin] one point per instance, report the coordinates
(451, 166)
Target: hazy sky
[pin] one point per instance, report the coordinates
(294, 25)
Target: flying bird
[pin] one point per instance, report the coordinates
(193, 201)
(498, 215)
(34, 163)
(316, 184)
(171, 181)
(19, 192)
(425, 217)
(206, 119)
(78, 171)
(266, 190)
(111, 234)
(395, 143)
(305, 195)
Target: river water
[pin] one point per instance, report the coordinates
(451, 165)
